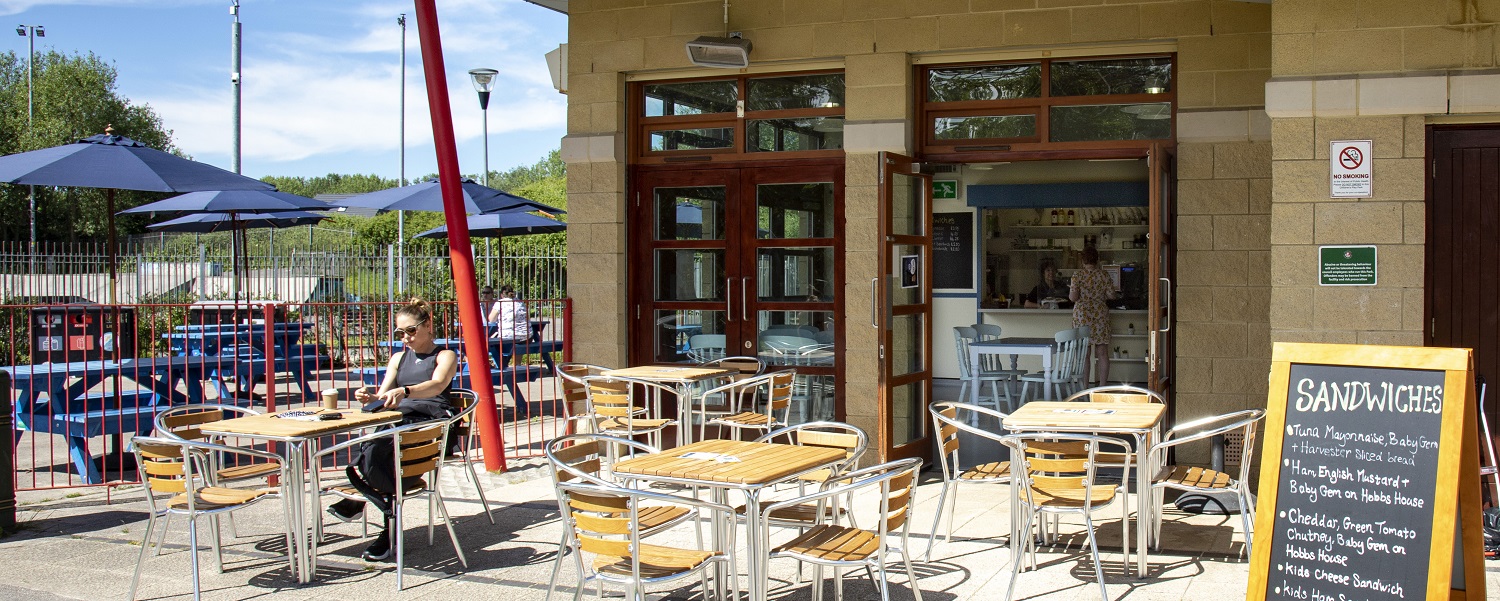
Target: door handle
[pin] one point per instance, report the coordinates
(744, 283)
(728, 299)
(874, 301)
(1168, 294)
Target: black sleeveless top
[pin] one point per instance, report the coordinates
(415, 368)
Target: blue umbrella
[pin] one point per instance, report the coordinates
(496, 225)
(232, 201)
(119, 163)
(206, 223)
(427, 196)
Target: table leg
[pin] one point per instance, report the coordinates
(974, 358)
(757, 559)
(296, 452)
(1142, 505)
(83, 461)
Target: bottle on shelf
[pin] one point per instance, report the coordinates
(1054, 216)
(1072, 218)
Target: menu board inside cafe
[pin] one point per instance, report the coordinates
(1354, 505)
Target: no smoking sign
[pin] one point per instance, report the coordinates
(1349, 169)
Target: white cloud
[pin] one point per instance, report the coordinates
(11, 7)
(333, 88)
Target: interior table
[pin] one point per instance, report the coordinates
(683, 378)
(723, 465)
(298, 435)
(1137, 420)
(1041, 347)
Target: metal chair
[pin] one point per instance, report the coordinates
(837, 546)
(418, 459)
(460, 426)
(773, 390)
(169, 466)
(182, 423)
(607, 522)
(974, 375)
(708, 402)
(580, 458)
(1202, 480)
(614, 411)
(947, 421)
(1082, 359)
(575, 396)
(1055, 475)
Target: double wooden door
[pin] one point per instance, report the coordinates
(742, 262)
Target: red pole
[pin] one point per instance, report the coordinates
(470, 316)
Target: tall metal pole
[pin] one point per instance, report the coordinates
(401, 215)
(486, 120)
(234, 79)
(476, 350)
(30, 33)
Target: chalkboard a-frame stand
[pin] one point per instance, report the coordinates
(1346, 434)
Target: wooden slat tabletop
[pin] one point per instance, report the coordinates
(1081, 417)
(759, 464)
(667, 374)
(269, 425)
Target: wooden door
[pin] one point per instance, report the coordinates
(1162, 271)
(1462, 291)
(903, 315)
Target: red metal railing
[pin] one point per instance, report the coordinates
(86, 378)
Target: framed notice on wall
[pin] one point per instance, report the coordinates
(1367, 477)
(953, 250)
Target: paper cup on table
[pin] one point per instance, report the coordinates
(331, 398)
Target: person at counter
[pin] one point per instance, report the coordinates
(1048, 288)
(1092, 289)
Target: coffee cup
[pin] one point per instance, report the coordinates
(331, 398)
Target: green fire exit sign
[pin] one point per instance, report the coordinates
(944, 188)
(1346, 265)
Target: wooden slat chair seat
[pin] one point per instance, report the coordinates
(184, 423)
(832, 545)
(173, 466)
(605, 521)
(419, 451)
(579, 459)
(948, 419)
(1056, 475)
(774, 390)
(615, 405)
(1203, 480)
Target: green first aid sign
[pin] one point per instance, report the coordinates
(944, 188)
(1346, 265)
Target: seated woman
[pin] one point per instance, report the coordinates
(417, 383)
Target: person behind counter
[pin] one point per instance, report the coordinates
(1092, 288)
(1049, 287)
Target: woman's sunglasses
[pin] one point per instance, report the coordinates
(410, 330)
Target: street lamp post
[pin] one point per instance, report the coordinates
(234, 80)
(401, 215)
(31, 33)
(484, 82)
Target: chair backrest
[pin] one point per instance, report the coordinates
(706, 347)
(610, 396)
(744, 367)
(183, 422)
(1047, 463)
(895, 481)
(464, 401)
(581, 456)
(163, 467)
(1209, 427)
(575, 395)
(834, 435)
(987, 331)
(1117, 393)
(962, 336)
(420, 449)
(606, 521)
(1063, 354)
(1083, 343)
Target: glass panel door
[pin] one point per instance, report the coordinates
(904, 294)
(1160, 317)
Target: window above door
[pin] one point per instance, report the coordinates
(746, 117)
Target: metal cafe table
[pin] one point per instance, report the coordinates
(298, 435)
(1137, 420)
(681, 377)
(721, 465)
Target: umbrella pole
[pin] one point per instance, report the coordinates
(109, 201)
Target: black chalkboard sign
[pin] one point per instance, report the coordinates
(1358, 491)
(953, 250)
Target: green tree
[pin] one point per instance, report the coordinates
(75, 97)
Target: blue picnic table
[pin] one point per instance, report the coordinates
(72, 410)
(500, 351)
(510, 377)
(213, 339)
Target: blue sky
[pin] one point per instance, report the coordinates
(321, 87)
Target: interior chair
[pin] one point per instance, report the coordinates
(183, 423)
(419, 451)
(1082, 359)
(994, 363)
(580, 459)
(1204, 480)
(837, 546)
(461, 429)
(787, 350)
(575, 395)
(169, 466)
(772, 392)
(974, 375)
(706, 347)
(614, 410)
(1055, 474)
(609, 522)
(948, 420)
(1065, 344)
